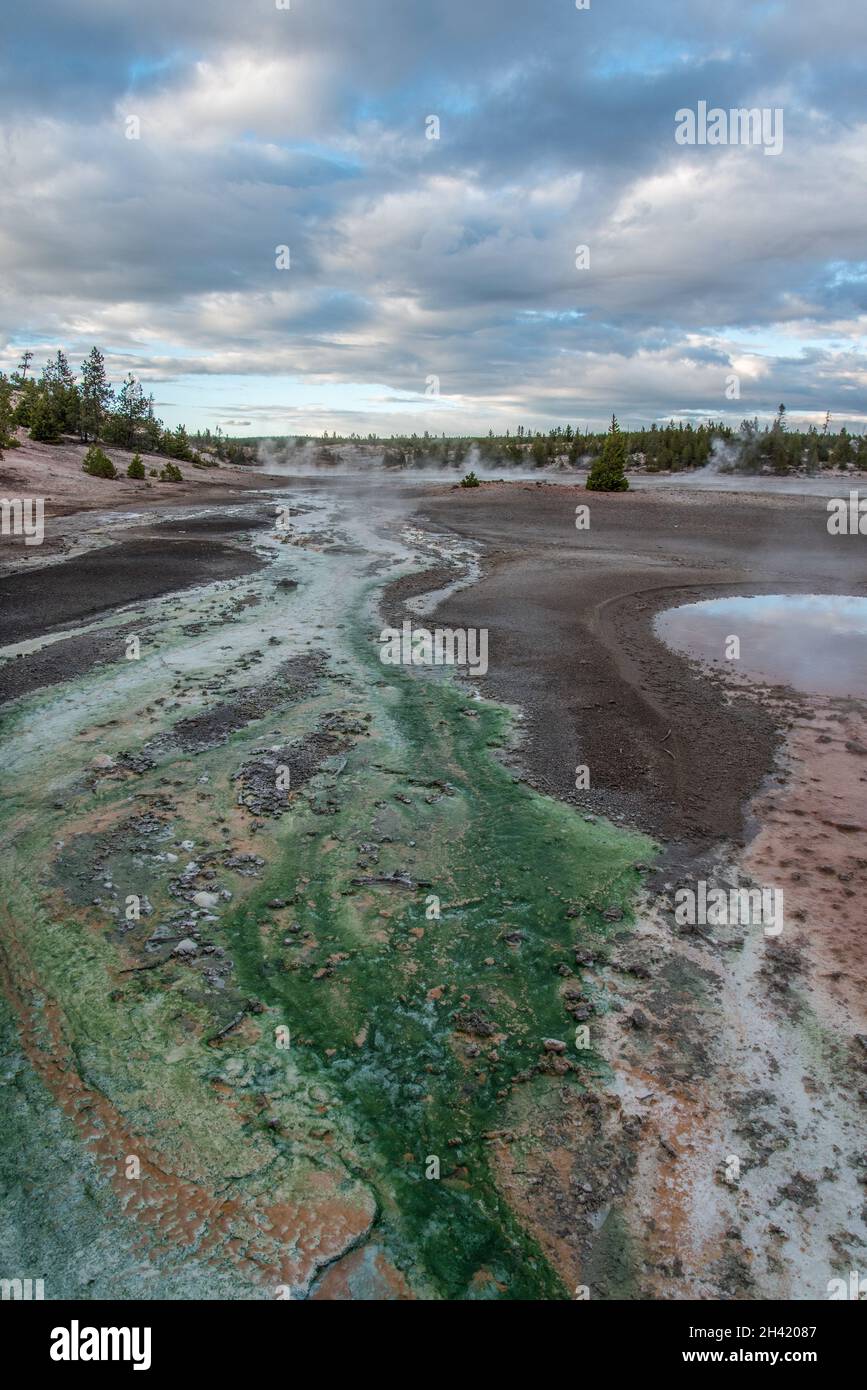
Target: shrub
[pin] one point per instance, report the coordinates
(470, 480)
(98, 464)
(171, 474)
(136, 468)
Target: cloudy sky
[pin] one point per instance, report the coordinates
(454, 258)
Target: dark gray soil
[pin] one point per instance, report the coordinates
(88, 585)
(569, 614)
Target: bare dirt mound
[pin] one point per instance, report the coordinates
(53, 471)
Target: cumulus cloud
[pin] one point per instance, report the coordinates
(260, 128)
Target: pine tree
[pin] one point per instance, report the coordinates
(58, 384)
(131, 410)
(26, 359)
(65, 393)
(45, 420)
(151, 428)
(811, 455)
(28, 395)
(136, 467)
(841, 453)
(608, 473)
(95, 395)
(180, 447)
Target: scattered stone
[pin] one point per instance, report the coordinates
(800, 1190)
(471, 1021)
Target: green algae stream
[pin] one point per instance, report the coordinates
(409, 1010)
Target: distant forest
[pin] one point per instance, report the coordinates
(750, 448)
(59, 404)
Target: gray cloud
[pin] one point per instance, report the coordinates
(453, 257)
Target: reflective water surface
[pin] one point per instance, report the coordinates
(814, 642)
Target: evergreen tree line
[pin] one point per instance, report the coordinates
(58, 404)
(674, 447)
(783, 450)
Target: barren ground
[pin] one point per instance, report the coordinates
(714, 1147)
